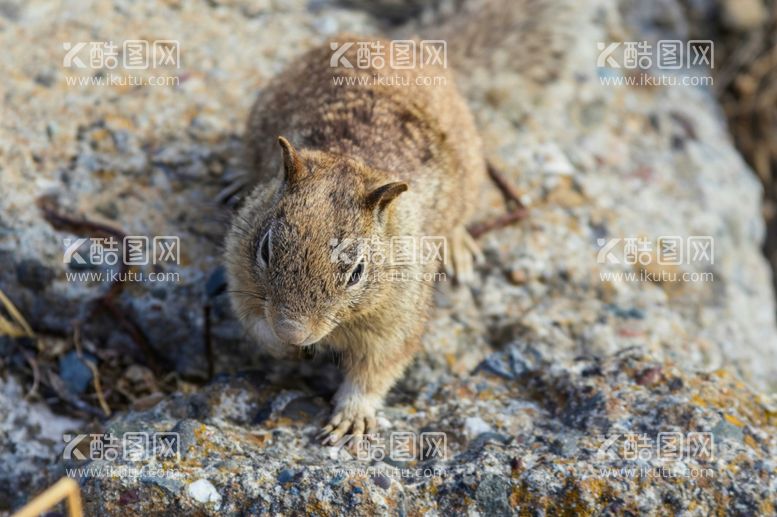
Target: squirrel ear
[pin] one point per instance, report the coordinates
(382, 196)
(292, 165)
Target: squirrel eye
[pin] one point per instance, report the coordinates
(264, 248)
(356, 274)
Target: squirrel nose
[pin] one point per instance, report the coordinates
(291, 332)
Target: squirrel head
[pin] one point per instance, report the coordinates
(303, 256)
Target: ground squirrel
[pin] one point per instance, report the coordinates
(392, 154)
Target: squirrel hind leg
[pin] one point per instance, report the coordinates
(464, 255)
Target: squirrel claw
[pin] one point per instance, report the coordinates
(342, 428)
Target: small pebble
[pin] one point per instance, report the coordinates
(474, 426)
(285, 476)
(204, 492)
(518, 276)
(75, 372)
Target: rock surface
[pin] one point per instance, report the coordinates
(549, 438)
(583, 354)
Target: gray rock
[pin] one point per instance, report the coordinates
(75, 372)
(492, 495)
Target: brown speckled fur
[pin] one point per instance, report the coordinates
(347, 142)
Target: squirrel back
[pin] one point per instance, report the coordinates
(411, 124)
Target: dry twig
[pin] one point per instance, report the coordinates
(518, 212)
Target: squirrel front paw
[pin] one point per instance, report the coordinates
(465, 254)
(354, 415)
